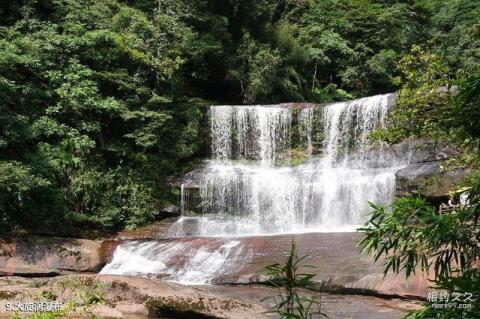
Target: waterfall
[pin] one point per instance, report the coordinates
(248, 187)
(347, 124)
(249, 132)
(243, 192)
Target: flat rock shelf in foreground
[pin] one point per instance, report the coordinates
(139, 298)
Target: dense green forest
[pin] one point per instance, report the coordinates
(102, 101)
(102, 105)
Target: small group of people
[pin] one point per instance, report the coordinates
(457, 200)
(462, 200)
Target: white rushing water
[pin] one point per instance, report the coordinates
(306, 126)
(250, 132)
(347, 124)
(327, 193)
(190, 261)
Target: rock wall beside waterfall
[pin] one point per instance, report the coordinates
(428, 172)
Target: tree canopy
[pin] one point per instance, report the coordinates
(101, 100)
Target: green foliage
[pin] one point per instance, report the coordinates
(424, 105)
(79, 297)
(259, 63)
(93, 116)
(288, 278)
(410, 232)
(83, 294)
(456, 33)
(469, 103)
(357, 43)
(410, 235)
(429, 104)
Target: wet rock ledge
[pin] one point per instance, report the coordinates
(49, 256)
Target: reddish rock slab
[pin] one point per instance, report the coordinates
(151, 231)
(338, 263)
(49, 256)
(337, 260)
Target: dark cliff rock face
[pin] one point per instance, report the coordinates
(426, 172)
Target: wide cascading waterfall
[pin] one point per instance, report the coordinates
(250, 187)
(243, 191)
